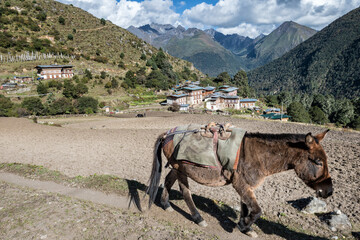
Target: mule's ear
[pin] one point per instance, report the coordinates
(309, 140)
(321, 136)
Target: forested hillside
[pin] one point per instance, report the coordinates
(327, 63)
(112, 66)
(52, 27)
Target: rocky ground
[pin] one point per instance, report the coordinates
(123, 147)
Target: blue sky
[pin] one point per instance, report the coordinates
(244, 17)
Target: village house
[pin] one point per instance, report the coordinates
(54, 71)
(228, 90)
(276, 116)
(230, 101)
(208, 91)
(8, 86)
(176, 98)
(194, 94)
(218, 101)
(184, 107)
(272, 110)
(248, 103)
(212, 102)
(21, 79)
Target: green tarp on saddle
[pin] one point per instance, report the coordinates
(197, 149)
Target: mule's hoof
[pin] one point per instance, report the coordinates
(252, 234)
(169, 209)
(203, 223)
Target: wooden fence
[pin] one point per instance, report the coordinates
(27, 56)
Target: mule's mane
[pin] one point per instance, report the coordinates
(286, 137)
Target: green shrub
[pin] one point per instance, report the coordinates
(42, 88)
(5, 106)
(61, 106)
(41, 16)
(298, 113)
(33, 105)
(61, 20)
(101, 59)
(83, 104)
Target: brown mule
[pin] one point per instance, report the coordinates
(261, 155)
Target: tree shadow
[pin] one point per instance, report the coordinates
(225, 214)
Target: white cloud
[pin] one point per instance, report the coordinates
(126, 13)
(249, 17)
(249, 30)
(245, 17)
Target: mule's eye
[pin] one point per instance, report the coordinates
(318, 162)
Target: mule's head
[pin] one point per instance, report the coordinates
(313, 168)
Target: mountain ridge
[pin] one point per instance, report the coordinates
(233, 52)
(323, 64)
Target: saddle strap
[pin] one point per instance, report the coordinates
(215, 146)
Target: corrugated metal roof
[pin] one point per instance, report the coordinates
(272, 109)
(53, 66)
(178, 95)
(230, 89)
(209, 88)
(229, 96)
(192, 88)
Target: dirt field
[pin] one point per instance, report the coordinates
(123, 147)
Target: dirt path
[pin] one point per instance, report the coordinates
(123, 147)
(91, 29)
(112, 200)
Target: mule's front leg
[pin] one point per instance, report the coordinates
(250, 210)
(184, 186)
(247, 218)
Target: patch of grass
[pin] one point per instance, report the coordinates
(104, 183)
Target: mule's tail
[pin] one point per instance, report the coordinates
(156, 170)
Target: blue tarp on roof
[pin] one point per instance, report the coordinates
(248, 100)
(275, 116)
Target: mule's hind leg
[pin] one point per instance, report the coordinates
(184, 186)
(169, 182)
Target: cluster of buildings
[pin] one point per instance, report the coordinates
(225, 97)
(43, 72)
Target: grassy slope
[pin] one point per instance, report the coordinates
(89, 36)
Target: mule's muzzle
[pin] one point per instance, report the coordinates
(324, 188)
